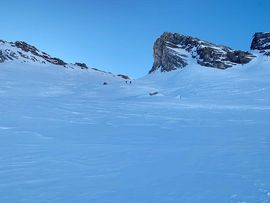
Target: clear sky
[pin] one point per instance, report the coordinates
(118, 35)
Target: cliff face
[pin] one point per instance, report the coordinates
(172, 51)
(261, 42)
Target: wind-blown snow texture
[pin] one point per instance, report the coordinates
(65, 137)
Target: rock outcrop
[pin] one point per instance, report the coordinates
(261, 42)
(173, 51)
(125, 77)
(81, 65)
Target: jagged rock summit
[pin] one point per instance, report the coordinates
(173, 51)
(261, 42)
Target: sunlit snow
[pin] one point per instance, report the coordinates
(67, 138)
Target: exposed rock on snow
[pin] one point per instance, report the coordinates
(261, 42)
(126, 77)
(172, 50)
(153, 93)
(81, 65)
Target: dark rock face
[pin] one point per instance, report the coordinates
(26, 47)
(261, 42)
(173, 51)
(82, 65)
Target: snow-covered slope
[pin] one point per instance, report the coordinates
(66, 137)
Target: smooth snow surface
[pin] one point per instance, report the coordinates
(67, 138)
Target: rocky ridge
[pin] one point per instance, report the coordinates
(26, 53)
(20, 50)
(173, 51)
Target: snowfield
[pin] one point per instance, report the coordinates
(67, 138)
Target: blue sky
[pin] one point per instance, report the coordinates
(118, 35)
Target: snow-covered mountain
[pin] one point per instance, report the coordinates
(173, 51)
(22, 52)
(203, 135)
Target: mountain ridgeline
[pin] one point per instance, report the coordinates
(172, 51)
(25, 53)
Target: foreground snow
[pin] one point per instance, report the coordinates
(66, 137)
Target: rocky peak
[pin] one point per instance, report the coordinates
(261, 42)
(26, 53)
(173, 51)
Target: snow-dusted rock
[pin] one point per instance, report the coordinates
(26, 53)
(173, 51)
(261, 42)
